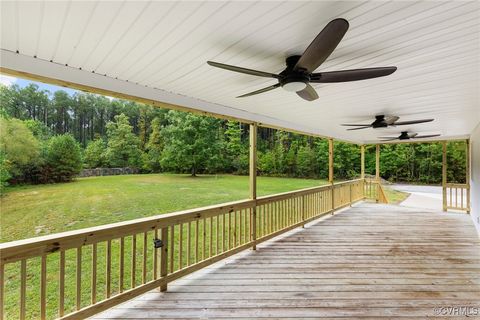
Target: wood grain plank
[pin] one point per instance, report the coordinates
(367, 261)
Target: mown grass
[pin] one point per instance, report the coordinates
(29, 211)
(394, 196)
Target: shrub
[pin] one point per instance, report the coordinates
(63, 158)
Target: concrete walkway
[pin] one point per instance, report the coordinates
(425, 197)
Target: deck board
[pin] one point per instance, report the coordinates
(369, 261)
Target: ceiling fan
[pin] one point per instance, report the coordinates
(299, 72)
(407, 136)
(382, 121)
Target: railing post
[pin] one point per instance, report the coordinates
(377, 170)
(467, 173)
(362, 170)
(163, 257)
(444, 175)
(362, 161)
(303, 210)
(253, 182)
(330, 171)
(350, 193)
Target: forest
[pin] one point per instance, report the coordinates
(49, 137)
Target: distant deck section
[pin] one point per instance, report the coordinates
(368, 261)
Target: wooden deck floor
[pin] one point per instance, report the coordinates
(369, 261)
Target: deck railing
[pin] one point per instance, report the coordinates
(79, 273)
(456, 196)
(374, 191)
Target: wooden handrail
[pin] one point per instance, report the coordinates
(186, 241)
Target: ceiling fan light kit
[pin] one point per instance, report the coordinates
(299, 72)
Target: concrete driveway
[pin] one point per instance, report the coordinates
(426, 197)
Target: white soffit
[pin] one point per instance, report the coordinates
(158, 50)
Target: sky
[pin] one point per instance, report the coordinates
(8, 80)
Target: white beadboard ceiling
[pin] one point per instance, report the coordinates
(158, 50)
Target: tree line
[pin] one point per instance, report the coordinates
(38, 127)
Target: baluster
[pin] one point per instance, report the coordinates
(196, 241)
(94, 275)
(61, 280)
(23, 288)
(43, 287)
(204, 247)
(180, 246)
(164, 257)
(79, 279)
(172, 247)
(230, 233)
(240, 231)
(144, 256)
(155, 256)
(109, 269)
(134, 262)
(235, 228)
(121, 264)
(224, 230)
(189, 235)
(456, 197)
(218, 234)
(210, 248)
(2, 279)
(461, 197)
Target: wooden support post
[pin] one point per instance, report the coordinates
(467, 173)
(362, 169)
(362, 161)
(330, 171)
(444, 174)
(164, 257)
(377, 170)
(253, 182)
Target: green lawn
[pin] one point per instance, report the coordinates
(394, 196)
(30, 211)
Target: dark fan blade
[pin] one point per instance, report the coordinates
(308, 93)
(364, 127)
(351, 75)
(243, 70)
(387, 138)
(355, 125)
(391, 120)
(402, 123)
(323, 45)
(426, 136)
(260, 91)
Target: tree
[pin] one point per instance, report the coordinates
(154, 147)
(63, 157)
(305, 161)
(39, 129)
(18, 146)
(94, 156)
(123, 145)
(191, 143)
(4, 171)
(236, 149)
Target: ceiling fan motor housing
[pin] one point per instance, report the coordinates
(404, 136)
(292, 76)
(379, 122)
